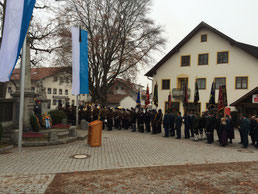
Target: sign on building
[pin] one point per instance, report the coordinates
(255, 98)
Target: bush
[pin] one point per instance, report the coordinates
(34, 123)
(1, 130)
(57, 116)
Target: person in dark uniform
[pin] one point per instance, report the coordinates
(244, 129)
(172, 124)
(88, 114)
(159, 120)
(102, 115)
(230, 128)
(123, 118)
(127, 119)
(196, 126)
(119, 119)
(178, 123)
(38, 111)
(166, 123)
(109, 119)
(187, 123)
(210, 128)
(95, 113)
(202, 126)
(133, 119)
(141, 121)
(252, 129)
(256, 133)
(154, 122)
(223, 132)
(191, 128)
(218, 127)
(147, 118)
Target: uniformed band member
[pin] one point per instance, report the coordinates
(151, 120)
(187, 123)
(178, 122)
(166, 123)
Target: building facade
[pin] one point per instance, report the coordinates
(56, 81)
(205, 55)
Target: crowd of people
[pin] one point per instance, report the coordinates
(203, 127)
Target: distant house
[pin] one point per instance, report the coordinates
(203, 56)
(124, 93)
(57, 82)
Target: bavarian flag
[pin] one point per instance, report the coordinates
(17, 19)
(80, 82)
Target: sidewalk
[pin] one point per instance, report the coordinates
(120, 149)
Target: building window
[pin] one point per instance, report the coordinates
(203, 59)
(185, 60)
(241, 82)
(54, 91)
(66, 92)
(204, 38)
(61, 79)
(220, 82)
(60, 91)
(32, 89)
(9, 90)
(54, 102)
(166, 84)
(55, 78)
(222, 57)
(49, 104)
(201, 82)
(49, 90)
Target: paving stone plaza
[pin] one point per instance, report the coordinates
(32, 170)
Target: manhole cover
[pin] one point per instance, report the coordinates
(245, 151)
(80, 156)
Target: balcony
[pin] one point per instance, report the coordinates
(178, 92)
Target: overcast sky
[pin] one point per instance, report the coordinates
(237, 19)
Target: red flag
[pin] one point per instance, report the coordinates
(147, 101)
(169, 101)
(220, 100)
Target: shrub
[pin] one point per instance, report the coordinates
(34, 123)
(57, 116)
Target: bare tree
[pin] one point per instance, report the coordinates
(120, 39)
(43, 28)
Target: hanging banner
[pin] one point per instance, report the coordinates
(17, 19)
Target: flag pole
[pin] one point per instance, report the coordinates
(22, 95)
(77, 110)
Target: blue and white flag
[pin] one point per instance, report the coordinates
(17, 19)
(138, 101)
(80, 83)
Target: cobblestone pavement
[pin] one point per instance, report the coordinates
(120, 149)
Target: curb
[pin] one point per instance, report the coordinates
(6, 148)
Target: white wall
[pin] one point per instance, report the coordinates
(128, 102)
(240, 64)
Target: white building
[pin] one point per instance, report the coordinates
(205, 55)
(56, 82)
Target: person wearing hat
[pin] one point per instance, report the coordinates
(38, 111)
(244, 130)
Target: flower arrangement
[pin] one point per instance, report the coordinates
(47, 121)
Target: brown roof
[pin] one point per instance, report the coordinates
(252, 50)
(115, 98)
(254, 91)
(40, 73)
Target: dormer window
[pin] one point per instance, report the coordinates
(204, 38)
